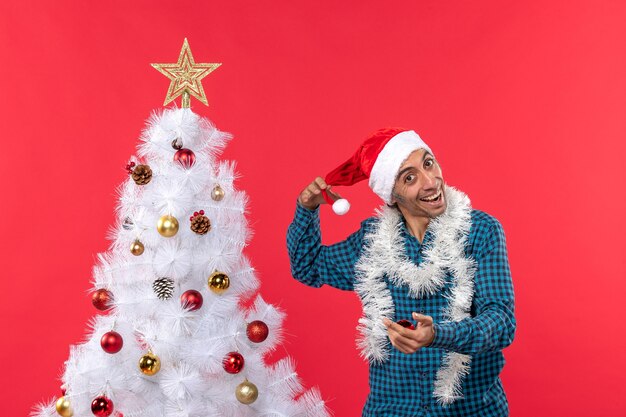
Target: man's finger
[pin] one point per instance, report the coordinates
(395, 336)
(304, 196)
(320, 182)
(398, 329)
(309, 195)
(408, 341)
(399, 343)
(314, 188)
(403, 344)
(400, 348)
(392, 333)
(423, 319)
(333, 194)
(409, 344)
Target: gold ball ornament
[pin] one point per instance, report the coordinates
(64, 407)
(167, 226)
(137, 248)
(247, 392)
(218, 193)
(219, 282)
(149, 364)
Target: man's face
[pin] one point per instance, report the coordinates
(418, 189)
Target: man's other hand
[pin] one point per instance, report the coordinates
(410, 341)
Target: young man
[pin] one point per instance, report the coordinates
(426, 256)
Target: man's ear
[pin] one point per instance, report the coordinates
(393, 202)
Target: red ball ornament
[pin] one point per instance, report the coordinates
(257, 331)
(185, 157)
(407, 324)
(102, 407)
(191, 300)
(102, 299)
(111, 342)
(233, 363)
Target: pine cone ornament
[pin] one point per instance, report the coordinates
(164, 288)
(142, 174)
(200, 223)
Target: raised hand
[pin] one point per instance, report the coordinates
(311, 196)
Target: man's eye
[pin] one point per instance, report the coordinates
(409, 178)
(428, 163)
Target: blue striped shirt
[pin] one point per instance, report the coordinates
(403, 385)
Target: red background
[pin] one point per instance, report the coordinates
(523, 102)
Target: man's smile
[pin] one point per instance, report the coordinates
(434, 199)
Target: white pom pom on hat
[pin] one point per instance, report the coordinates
(341, 206)
(378, 159)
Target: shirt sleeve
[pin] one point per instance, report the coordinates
(315, 264)
(493, 326)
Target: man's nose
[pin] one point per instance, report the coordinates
(430, 180)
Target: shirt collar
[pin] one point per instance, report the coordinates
(407, 233)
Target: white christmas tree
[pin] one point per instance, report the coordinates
(174, 339)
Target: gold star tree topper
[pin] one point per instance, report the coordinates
(185, 76)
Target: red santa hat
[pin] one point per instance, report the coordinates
(378, 158)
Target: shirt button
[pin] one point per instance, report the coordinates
(424, 374)
(426, 407)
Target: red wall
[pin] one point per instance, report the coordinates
(523, 102)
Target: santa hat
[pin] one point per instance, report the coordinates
(378, 158)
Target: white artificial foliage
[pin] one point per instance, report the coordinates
(172, 259)
(284, 378)
(194, 179)
(176, 322)
(194, 407)
(191, 344)
(45, 409)
(128, 194)
(168, 197)
(180, 381)
(313, 404)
